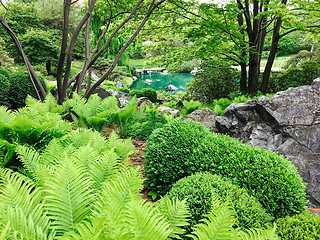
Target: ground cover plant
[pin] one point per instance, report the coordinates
(201, 189)
(182, 148)
(304, 226)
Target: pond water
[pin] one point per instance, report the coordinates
(159, 81)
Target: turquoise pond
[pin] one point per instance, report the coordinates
(159, 81)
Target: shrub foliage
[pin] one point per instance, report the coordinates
(201, 189)
(182, 148)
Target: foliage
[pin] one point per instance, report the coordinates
(33, 126)
(190, 106)
(295, 77)
(40, 46)
(304, 226)
(145, 92)
(187, 67)
(95, 113)
(20, 88)
(213, 82)
(220, 224)
(201, 188)
(5, 90)
(103, 64)
(125, 90)
(81, 191)
(304, 55)
(5, 60)
(182, 148)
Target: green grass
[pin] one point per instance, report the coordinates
(279, 62)
(142, 63)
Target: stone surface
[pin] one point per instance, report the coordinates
(143, 101)
(171, 88)
(205, 116)
(102, 93)
(123, 98)
(168, 110)
(288, 123)
(119, 85)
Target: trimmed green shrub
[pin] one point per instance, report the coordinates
(299, 227)
(4, 90)
(125, 90)
(145, 92)
(182, 148)
(20, 88)
(200, 190)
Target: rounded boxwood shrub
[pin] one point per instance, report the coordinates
(201, 188)
(299, 227)
(150, 93)
(182, 148)
(21, 87)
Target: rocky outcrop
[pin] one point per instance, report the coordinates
(164, 109)
(119, 85)
(205, 116)
(288, 123)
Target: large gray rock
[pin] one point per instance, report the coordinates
(119, 85)
(205, 116)
(288, 123)
(123, 98)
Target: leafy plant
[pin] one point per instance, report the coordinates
(190, 106)
(5, 90)
(201, 188)
(150, 93)
(80, 191)
(304, 226)
(220, 224)
(182, 148)
(94, 113)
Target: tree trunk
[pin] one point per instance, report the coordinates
(243, 78)
(271, 57)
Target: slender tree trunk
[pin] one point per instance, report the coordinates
(272, 56)
(33, 76)
(243, 77)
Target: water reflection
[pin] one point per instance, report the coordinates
(159, 81)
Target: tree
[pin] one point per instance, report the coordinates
(113, 25)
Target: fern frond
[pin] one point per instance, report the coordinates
(123, 148)
(5, 116)
(218, 224)
(7, 150)
(68, 196)
(144, 222)
(176, 214)
(29, 158)
(259, 234)
(21, 205)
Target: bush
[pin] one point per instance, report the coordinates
(200, 190)
(299, 227)
(182, 148)
(125, 90)
(4, 90)
(20, 88)
(145, 92)
(215, 81)
(4, 72)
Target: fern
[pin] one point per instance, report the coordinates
(176, 212)
(219, 225)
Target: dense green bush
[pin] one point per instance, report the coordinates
(201, 188)
(215, 81)
(294, 77)
(182, 148)
(4, 72)
(20, 88)
(125, 90)
(186, 67)
(150, 93)
(299, 227)
(4, 90)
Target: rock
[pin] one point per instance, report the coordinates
(134, 78)
(148, 81)
(288, 123)
(123, 98)
(205, 116)
(171, 88)
(119, 85)
(102, 93)
(144, 101)
(168, 110)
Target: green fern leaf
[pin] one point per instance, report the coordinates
(21, 206)
(176, 213)
(68, 196)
